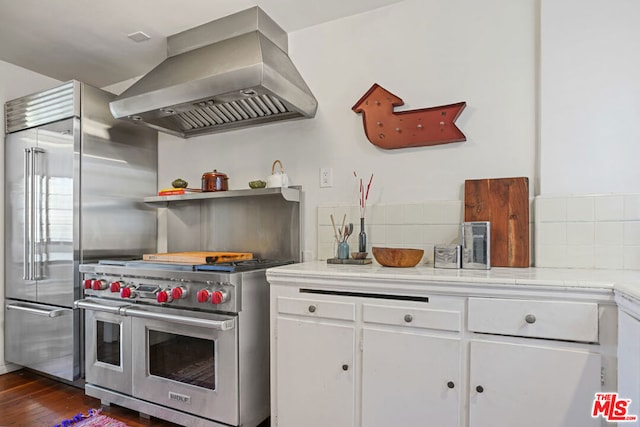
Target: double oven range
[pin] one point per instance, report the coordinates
(187, 346)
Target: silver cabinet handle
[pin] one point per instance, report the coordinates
(408, 318)
(451, 384)
(220, 325)
(530, 319)
(312, 309)
(56, 312)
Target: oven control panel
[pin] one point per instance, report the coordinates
(209, 296)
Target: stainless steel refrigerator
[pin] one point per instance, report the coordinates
(75, 179)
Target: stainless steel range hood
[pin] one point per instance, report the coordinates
(230, 73)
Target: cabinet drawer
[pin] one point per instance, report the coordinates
(317, 308)
(447, 320)
(574, 321)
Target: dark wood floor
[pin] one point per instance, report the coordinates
(31, 400)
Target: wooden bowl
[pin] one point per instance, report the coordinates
(397, 257)
(359, 255)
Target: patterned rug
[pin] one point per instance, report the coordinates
(92, 419)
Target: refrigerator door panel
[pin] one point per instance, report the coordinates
(18, 186)
(54, 212)
(43, 337)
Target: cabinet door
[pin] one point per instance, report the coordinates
(315, 377)
(410, 378)
(629, 361)
(532, 385)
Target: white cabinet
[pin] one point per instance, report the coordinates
(350, 360)
(527, 385)
(517, 380)
(368, 356)
(315, 349)
(629, 357)
(410, 375)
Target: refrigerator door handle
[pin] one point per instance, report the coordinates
(28, 187)
(34, 309)
(36, 197)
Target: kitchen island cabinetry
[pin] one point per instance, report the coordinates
(425, 351)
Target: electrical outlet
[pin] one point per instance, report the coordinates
(326, 177)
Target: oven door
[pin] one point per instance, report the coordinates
(187, 361)
(107, 345)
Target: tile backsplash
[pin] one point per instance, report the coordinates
(588, 231)
(574, 231)
(414, 225)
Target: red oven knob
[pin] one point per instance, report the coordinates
(218, 297)
(126, 293)
(115, 286)
(99, 285)
(177, 293)
(163, 296)
(203, 295)
(87, 283)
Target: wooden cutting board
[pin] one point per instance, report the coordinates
(505, 203)
(197, 257)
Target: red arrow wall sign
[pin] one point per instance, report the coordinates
(414, 128)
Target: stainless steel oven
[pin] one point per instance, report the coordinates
(191, 347)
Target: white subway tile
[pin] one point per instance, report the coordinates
(451, 212)
(609, 233)
(551, 233)
(632, 258)
(632, 233)
(632, 207)
(326, 234)
(393, 235)
(609, 208)
(431, 213)
(413, 213)
(394, 214)
(580, 233)
(611, 257)
(375, 215)
(551, 209)
(580, 256)
(412, 235)
(580, 208)
(442, 234)
(375, 234)
(551, 256)
(324, 215)
(326, 251)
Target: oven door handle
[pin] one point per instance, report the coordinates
(94, 306)
(220, 325)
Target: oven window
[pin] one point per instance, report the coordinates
(108, 337)
(181, 358)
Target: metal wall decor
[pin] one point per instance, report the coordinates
(413, 128)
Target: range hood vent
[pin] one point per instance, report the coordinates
(227, 74)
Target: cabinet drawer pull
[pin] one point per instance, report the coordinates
(450, 384)
(312, 309)
(408, 318)
(345, 367)
(530, 319)
(479, 389)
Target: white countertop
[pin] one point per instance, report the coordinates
(626, 282)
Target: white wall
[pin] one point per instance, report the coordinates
(427, 52)
(14, 82)
(590, 96)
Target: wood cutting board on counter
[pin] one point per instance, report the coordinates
(197, 257)
(504, 202)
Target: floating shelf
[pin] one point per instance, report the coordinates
(291, 194)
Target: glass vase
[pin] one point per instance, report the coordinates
(362, 238)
